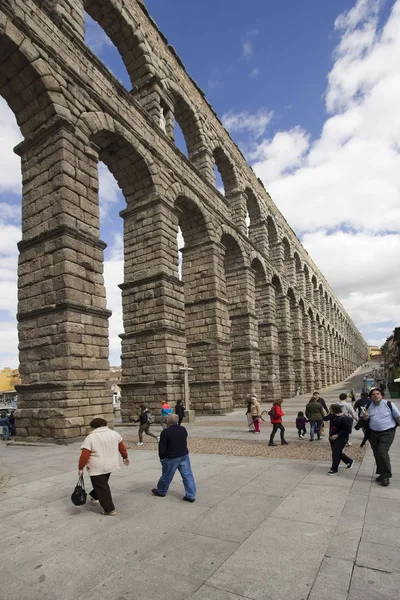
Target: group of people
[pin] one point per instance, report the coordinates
(145, 419)
(378, 418)
(7, 423)
(100, 456)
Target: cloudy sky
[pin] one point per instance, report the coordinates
(311, 93)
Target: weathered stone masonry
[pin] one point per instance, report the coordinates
(251, 312)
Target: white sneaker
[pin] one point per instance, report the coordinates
(94, 502)
(158, 438)
(139, 444)
(302, 437)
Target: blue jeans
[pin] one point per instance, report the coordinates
(5, 434)
(169, 466)
(315, 427)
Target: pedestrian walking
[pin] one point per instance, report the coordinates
(4, 423)
(382, 417)
(180, 411)
(347, 409)
(276, 413)
(165, 411)
(174, 455)
(352, 395)
(145, 419)
(11, 424)
(361, 403)
(250, 422)
(255, 411)
(321, 402)
(100, 454)
(301, 421)
(339, 430)
(314, 414)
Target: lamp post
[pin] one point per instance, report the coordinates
(186, 393)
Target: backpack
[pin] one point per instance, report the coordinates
(150, 418)
(273, 414)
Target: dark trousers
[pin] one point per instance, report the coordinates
(380, 443)
(301, 431)
(275, 427)
(180, 420)
(337, 452)
(145, 428)
(101, 491)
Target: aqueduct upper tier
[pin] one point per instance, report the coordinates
(251, 311)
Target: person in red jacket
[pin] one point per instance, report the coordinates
(276, 413)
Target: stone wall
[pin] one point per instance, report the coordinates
(251, 312)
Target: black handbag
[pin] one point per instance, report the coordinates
(79, 494)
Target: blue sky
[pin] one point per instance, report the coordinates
(310, 91)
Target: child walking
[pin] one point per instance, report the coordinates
(339, 430)
(301, 424)
(276, 413)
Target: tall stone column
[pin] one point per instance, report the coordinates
(258, 234)
(328, 358)
(237, 201)
(336, 360)
(298, 349)
(207, 328)
(268, 347)
(308, 353)
(322, 355)
(286, 367)
(289, 268)
(62, 315)
(245, 361)
(154, 343)
(317, 360)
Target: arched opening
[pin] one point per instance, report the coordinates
(235, 287)
(102, 46)
(130, 43)
(314, 286)
(226, 172)
(205, 355)
(187, 132)
(307, 284)
(289, 269)
(299, 274)
(10, 233)
(286, 249)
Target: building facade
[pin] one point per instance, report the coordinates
(251, 311)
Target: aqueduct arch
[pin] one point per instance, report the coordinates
(251, 311)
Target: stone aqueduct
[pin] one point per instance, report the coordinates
(251, 312)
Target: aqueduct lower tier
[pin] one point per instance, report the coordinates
(251, 311)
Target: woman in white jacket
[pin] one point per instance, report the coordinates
(100, 453)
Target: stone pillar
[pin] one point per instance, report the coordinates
(154, 344)
(276, 256)
(286, 367)
(268, 347)
(308, 353)
(245, 361)
(237, 201)
(207, 328)
(335, 360)
(62, 315)
(322, 356)
(289, 269)
(258, 234)
(328, 358)
(317, 360)
(298, 349)
(300, 283)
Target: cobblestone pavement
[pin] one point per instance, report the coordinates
(261, 528)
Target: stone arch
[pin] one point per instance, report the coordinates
(126, 37)
(307, 283)
(253, 207)
(126, 163)
(286, 249)
(227, 171)
(27, 83)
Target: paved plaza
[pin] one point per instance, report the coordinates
(261, 528)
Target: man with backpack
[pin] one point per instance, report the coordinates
(145, 419)
(383, 417)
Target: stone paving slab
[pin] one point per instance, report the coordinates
(261, 528)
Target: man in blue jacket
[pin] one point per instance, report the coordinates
(174, 455)
(383, 418)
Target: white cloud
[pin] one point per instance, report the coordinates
(255, 124)
(247, 48)
(254, 73)
(10, 163)
(95, 37)
(342, 190)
